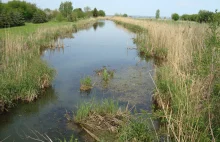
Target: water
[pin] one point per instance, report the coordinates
(104, 44)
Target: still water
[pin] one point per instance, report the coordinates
(105, 44)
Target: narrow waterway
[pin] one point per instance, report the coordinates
(103, 45)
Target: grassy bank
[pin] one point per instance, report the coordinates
(22, 72)
(187, 84)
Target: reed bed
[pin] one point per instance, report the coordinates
(185, 81)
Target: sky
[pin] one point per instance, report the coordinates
(137, 7)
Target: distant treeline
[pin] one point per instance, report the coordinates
(203, 16)
(16, 13)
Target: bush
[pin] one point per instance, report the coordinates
(101, 13)
(72, 17)
(39, 17)
(175, 16)
(11, 19)
(60, 18)
(204, 16)
(125, 15)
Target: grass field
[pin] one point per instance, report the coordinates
(22, 72)
(187, 82)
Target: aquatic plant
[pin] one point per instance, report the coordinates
(107, 121)
(86, 83)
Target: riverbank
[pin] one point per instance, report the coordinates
(22, 72)
(187, 80)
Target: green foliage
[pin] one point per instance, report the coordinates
(72, 17)
(39, 17)
(125, 15)
(101, 13)
(27, 9)
(95, 13)
(157, 14)
(66, 8)
(11, 19)
(107, 106)
(80, 14)
(175, 16)
(161, 52)
(87, 81)
(60, 18)
(204, 16)
(136, 130)
(106, 75)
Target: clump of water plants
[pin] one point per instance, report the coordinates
(101, 118)
(86, 84)
(106, 121)
(105, 73)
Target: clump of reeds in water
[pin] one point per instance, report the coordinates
(86, 84)
(105, 73)
(107, 121)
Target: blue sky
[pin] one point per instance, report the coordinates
(137, 7)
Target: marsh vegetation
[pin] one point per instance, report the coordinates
(176, 62)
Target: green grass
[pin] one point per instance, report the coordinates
(107, 74)
(107, 106)
(136, 130)
(30, 28)
(87, 81)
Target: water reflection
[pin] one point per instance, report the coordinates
(99, 24)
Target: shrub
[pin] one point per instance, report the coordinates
(11, 19)
(101, 13)
(175, 16)
(60, 18)
(72, 17)
(39, 17)
(125, 15)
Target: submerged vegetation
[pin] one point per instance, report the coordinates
(188, 82)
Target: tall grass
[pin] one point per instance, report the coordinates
(184, 83)
(22, 72)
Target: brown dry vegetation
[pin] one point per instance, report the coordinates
(182, 92)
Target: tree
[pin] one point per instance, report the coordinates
(66, 8)
(175, 16)
(101, 13)
(125, 15)
(79, 12)
(204, 16)
(95, 12)
(72, 17)
(157, 14)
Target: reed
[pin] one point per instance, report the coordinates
(185, 81)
